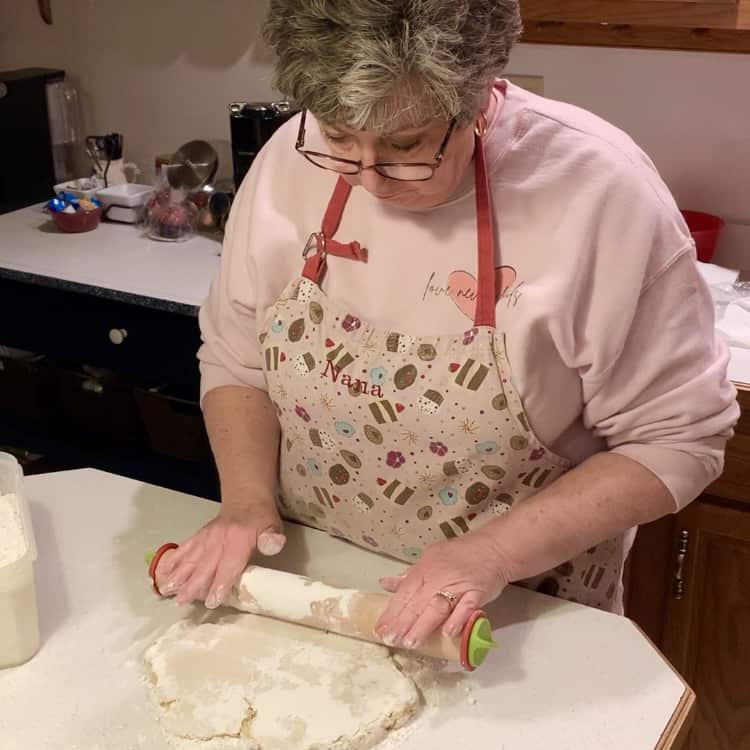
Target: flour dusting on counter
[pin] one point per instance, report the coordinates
(13, 545)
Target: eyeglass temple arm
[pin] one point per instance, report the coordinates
(448, 134)
(301, 132)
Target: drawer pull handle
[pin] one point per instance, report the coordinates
(92, 386)
(117, 335)
(679, 580)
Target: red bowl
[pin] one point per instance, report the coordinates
(80, 221)
(705, 229)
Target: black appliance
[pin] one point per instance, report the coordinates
(252, 124)
(27, 174)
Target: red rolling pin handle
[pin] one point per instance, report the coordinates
(154, 564)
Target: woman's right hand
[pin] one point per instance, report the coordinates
(208, 564)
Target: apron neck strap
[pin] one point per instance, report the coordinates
(484, 315)
(324, 244)
(315, 265)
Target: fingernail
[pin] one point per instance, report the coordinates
(390, 639)
(410, 642)
(169, 588)
(215, 598)
(450, 632)
(270, 544)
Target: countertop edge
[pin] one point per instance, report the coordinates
(156, 303)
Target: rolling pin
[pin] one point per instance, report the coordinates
(350, 612)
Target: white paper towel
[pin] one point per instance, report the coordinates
(739, 365)
(715, 275)
(734, 324)
(732, 312)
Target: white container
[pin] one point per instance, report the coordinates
(19, 620)
(84, 188)
(123, 203)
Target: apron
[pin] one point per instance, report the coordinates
(395, 441)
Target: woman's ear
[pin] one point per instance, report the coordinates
(486, 99)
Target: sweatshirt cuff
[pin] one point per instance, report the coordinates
(215, 376)
(684, 474)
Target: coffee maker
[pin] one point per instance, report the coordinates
(252, 124)
(26, 152)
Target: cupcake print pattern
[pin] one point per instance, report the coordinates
(403, 441)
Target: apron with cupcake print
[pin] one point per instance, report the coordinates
(395, 441)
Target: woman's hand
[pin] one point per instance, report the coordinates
(210, 562)
(470, 568)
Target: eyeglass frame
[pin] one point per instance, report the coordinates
(437, 159)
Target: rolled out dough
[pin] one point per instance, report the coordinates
(253, 683)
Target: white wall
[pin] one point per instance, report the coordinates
(690, 111)
(164, 72)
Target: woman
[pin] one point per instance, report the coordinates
(494, 356)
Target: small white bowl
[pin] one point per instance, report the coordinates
(128, 195)
(123, 203)
(74, 188)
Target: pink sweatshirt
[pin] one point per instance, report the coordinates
(609, 327)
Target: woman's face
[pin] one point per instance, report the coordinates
(407, 144)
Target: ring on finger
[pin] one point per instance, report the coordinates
(449, 597)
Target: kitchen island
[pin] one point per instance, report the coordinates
(564, 676)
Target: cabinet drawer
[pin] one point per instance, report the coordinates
(26, 387)
(99, 407)
(147, 344)
(734, 483)
(174, 425)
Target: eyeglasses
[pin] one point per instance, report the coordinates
(401, 171)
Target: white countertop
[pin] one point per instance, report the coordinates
(565, 676)
(113, 256)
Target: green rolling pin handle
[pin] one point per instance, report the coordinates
(476, 641)
(153, 559)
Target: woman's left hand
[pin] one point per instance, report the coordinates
(470, 568)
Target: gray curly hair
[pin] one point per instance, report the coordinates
(374, 63)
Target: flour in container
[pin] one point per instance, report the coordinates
(13, 544)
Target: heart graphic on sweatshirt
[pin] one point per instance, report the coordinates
(329, 343)
(400, 408)
(381, 481)
(454, 366)
(282, 357)
(462, 288)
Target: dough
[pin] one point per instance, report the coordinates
(248, 682)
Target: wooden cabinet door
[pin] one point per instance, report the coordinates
(707, 630)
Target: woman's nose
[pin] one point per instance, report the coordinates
(373, 182)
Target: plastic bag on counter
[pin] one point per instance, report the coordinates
(159, 197)
(170, 216)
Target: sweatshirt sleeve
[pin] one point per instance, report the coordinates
(230, 353)
(665, 400)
